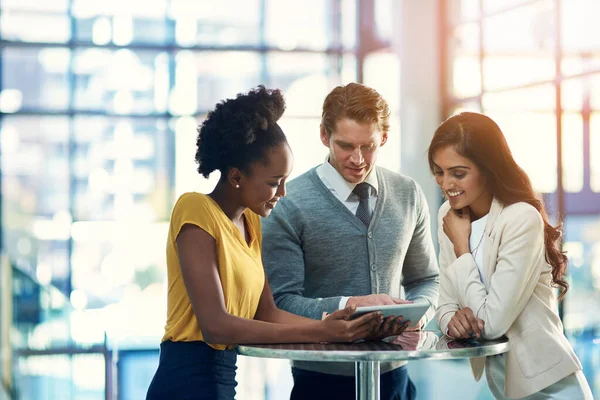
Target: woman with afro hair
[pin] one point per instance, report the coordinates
(218, 294)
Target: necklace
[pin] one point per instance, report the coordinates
(474, 251)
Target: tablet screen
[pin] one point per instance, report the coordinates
(412, 312)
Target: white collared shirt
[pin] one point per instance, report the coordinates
(342, 190)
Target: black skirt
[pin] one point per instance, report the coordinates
(193, 370)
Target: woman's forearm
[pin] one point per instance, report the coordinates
(289, 329)
(284, 317)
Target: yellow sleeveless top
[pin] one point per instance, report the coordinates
(240, 266)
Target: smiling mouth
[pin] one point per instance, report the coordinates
(271, 204)
(454, 194)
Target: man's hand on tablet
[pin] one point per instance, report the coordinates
(375, 300)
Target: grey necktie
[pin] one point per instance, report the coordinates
(363, 212)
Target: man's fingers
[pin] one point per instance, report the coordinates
(349, 310)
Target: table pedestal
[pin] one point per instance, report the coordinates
(368, 355)
(367, 380)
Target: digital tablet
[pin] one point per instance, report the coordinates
(412, 312)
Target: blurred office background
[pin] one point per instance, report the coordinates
(99, 103)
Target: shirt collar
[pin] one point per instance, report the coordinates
(341, 186)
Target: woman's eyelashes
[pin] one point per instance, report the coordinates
(457, 175)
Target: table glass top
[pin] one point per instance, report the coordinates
(409, 345)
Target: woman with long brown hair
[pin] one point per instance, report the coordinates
(499, 261)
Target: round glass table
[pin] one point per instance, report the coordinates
(367, 356)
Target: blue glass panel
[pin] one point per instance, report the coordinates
(122, 81)
(202, 79)
(25, 27)
(226, 23)
(307, 83)
(130, 22)
(35, 189)
(122, 169)
(34, 78)
(55, 6)
(287, 22)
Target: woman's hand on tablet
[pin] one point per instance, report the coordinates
(338, 328)
(391, 326)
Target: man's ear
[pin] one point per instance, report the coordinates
(384, 136)
(324, 136)
(235, 177)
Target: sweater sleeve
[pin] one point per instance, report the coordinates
(283, 259)
(420, 272)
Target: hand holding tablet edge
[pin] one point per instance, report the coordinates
(409, 311)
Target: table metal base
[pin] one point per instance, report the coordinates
(367, 356)
(367, 380)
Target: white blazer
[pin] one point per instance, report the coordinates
(517, 300)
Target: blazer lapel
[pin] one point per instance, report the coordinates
(490, 249)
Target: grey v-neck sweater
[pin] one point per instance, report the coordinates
(315, 250)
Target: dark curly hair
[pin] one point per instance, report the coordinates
(239, 131)
(478, 138)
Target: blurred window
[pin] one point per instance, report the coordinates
(306, 85)
(382, 73)
(595, 153)
(531, 130)
(100, 104)
(287, 22)
(580, 29)
(120, 81)
(25, 26)
(121, 169)
(349, 21)
(530, 94)
(47, 67)
(203, 79)
(216, 23)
